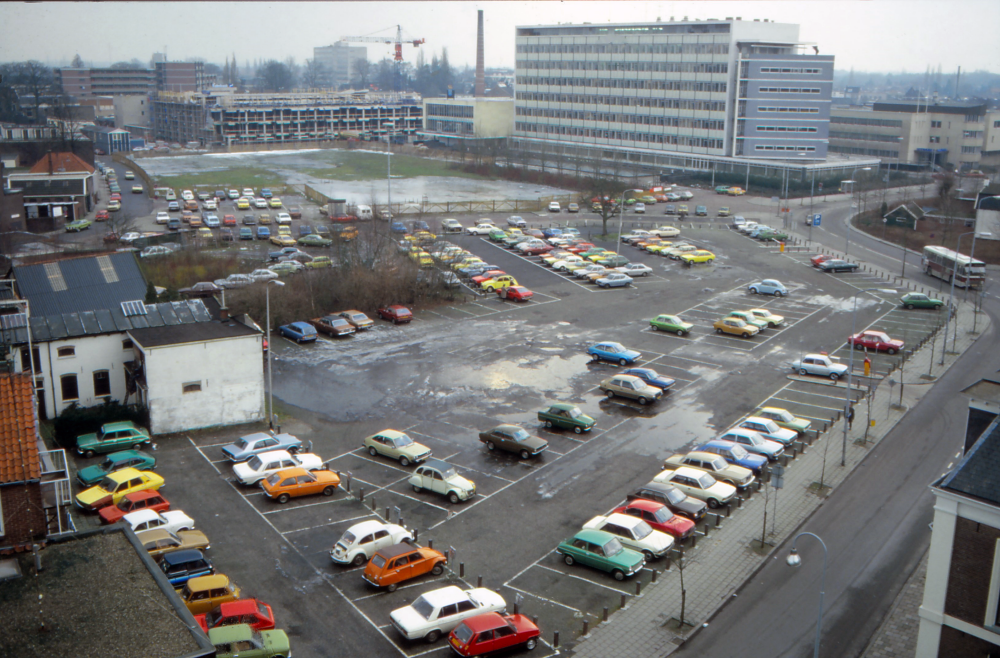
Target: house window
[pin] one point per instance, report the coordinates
(127, 344)
(935, 140)
(64, 352)
(102, 383)
(935, 124)
(26, 359)
(70, 390)
(191, 387)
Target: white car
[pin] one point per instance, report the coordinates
(129, 238)
(530, 244)
(248, 192)
(362, 540)
(554, 207)
(821, 365)
(748, 226)
(481, 229)
(155, 251)
(614, 280)
(590, 269)
(635, 235)
(234, 281)
(564, 265)
(211, 204)
(740, 220)
(262, 275)
(233, 194)
(639, 207)
(162, 217)
(260, 466)
(633, 533)
(147, 519)
(699, 484)
(769, 430)
(673, 196)
(283, 218)
(437, 612)
(187, 195)
(686, 195)
(666, 232)
(260, 203)
(635, 269)
(296, 266)
(515, 220)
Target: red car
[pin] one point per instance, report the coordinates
(821, 258)
(486, 276)
(875, 340)
(102, 216)
(242, 611)
(492, 632)
(134, 502)
(115, 197)
(580, 247)
(229, 220)
(395, 313)
(517, 293)
(538, 250)
(659, 517)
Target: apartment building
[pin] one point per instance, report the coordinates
(182, 76)
(338, 62)
(454, 120)
(81, 83)
(683, 94)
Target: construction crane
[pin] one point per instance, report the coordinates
(398, 41)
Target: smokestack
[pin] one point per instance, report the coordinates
(958, 79)
(480, 68)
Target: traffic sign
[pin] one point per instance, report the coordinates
(778, 482)
(816, 219)
(777, 469)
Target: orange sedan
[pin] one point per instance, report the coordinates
(293, 482)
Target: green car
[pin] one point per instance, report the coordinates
(314, 241)
(671, 323)
(512, 240)
(722, 189)
(601, 550)
(241, 640)
(566, 416)
(784, 418)
(498, 234)
(116, 461)
(919, 300)
(123, 434)
(396, 445)
(750, 319)
(284, 268)
(772, 235)
(78, 225)
(613, 261)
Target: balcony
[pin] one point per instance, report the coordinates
(57, 495)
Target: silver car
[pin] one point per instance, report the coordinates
(247, 446)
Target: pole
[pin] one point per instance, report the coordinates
(951, 296)
(822, 586)
(621, 221)
(270, 389)
(903, 273)
(388, 160)
(850, 371)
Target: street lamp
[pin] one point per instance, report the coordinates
(854, 183)
(270, 389)
(850, 368)
(951, 295)
(621, 220)
(793, 560)
(388, 158)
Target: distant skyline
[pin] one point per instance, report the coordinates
(870, 36)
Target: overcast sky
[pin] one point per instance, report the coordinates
(876, 35)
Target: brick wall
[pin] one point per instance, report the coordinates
(955, 643)
(23, 516)
(971, 568)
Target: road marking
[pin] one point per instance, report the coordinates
(324, 525)
(542, 598)
(569, 575)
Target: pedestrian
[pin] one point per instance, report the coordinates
(850, 417)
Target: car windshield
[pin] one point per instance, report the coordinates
(449, 472)
(423, 608)
(705, 481)
(642, 530)
(771, 426)
(273, 479)
(521, 435)
(463, 633)
(348, 538)
(402, 441)
(212, 617)
(612, 548)
(739, 452)
(574, 412)
(108, 484)
(662, 515)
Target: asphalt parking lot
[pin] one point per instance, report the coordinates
(463, 368)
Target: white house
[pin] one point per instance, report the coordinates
(199, 375)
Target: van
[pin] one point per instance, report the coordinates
(364, 213)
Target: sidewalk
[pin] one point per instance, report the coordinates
(724, 559)
(897, 636)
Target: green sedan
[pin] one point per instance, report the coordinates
(750, 319)
(772, 235)
(314, 241)
(919, 300)
(243, 641)
(78, 225)
(116, 461)
(498, 234)
(601, 550)
(122, 434)
(566, 416)
(784, 418)
(671, 323)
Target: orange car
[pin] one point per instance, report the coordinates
(293, 482)
(395, 564)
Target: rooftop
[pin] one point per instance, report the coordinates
(97, 597)
(18, 431)
(198, 332)
(61, 163)
(73, 285)
(978, 474)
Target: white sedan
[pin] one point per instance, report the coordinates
(283, 218)
(634, 533)
(564, 265)
(481, 229)
(821, 365)
(666, 232)
(555, 207)
(260, 203)
(262, 275)
(362, 540)
(162, 218)
(635, 269)
(260, 466)
(147, 519)
(439, 611)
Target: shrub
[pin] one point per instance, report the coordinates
(76, 420)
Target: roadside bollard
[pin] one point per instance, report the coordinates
(479, 581)
(729, 509)
(638, 588)
(605, 613)
(653, 580)
(624, 599)
(348, 481)
(534, 619)
(586, 627)
(400, 522)
(694, 540)
(750, 492)
(824, 428)
(708, 525)
(759, 485)
(555, 639)
(416, 534)
(461, 569)
(794, 454)
(718, 524)
(669, 563)
(517, 608)
(374, 506)
(361, 495)
(430, 543)
(386, 513)
(739, 502)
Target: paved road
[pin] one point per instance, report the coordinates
(876, 526)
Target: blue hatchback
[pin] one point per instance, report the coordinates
(614, 352)
(300, 332)
(398, 227)
(734, 453)
(651, 377)
(263, 233)
(552, 232)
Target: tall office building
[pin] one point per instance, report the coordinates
(688, 94)
(338, 62)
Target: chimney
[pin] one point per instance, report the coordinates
(958, 80)
(480, 68)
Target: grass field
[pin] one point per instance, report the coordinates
(353, 166)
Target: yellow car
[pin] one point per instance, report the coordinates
(514, 231)
(274, 202)
(499, 282)
(320, 262)
(117, 485)
(349, 233)
(553, 257)
(593, 258)
(735, 191)
(264, 219)
(285, 230)
(424, 236)
(575, 265)
(206, 593)
(243, 204)
(660, 248)
(426, 260)
(459, 263)
(205, 233)
(683, 210)
(698, 256)
(283, 240)
(736, 327)
(724, 211)
(594, 276)
(767, 316)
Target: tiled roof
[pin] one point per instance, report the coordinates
(60, 163)
(978, 474)
(74, 285)
(18, 431)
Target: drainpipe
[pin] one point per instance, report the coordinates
(52, 379)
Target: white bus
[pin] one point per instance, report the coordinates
(942, 263)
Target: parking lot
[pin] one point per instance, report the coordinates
(463, 368)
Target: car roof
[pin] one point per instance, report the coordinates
(141, 515)
(596, 536)
(623, 519)
(689, 472)
(445, 596)
(486, 622)
(124, 454)
(296, 471)
(273, 454)
(256, 436)
(124, 474)
(392, 434)
(142, 495)
(367, 526)
(208, 582)
(562, 406)
(645, 503)
(396, 549)
(154, 534)
(179, 557)
(506, 426)
(438, 464)
(118, 425)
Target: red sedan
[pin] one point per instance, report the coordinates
(517, 293)
(115, 197)
(659, 517)
(490, 632)
(875, 340)
(134, 502)
(229, 220)
(242, 611)
(580, 247)
(395, 313)
(486, 276)
(820, 259)
(102, 216)
(538, 250)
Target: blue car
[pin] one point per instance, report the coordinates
(614, 352)
(651, 377)
(263, 233)
(252, 444)
(266, 193)
(476, 270)
(300, 332)
(421, 226)
(181, 566)
(398, 227)
(304, 230)
(768, 287)
(552, 232)
(736, 454)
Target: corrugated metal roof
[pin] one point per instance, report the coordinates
(86, 285)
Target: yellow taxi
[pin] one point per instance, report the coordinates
(724, 211)
(283, 240)
(116, 486)
(736, 191)
(243, 203)
(349, 233)
(205, 593)
(735, 327)
(499, 282)
(274, 202)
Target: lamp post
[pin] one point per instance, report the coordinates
(850, 367)
(388, 172)
(793, 560)
(951, 295)
(854, 183)
(270, 389)
(621, 220)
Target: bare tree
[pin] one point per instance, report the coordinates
(77, 62)
(312, 74)
(36, 80)
(606, 194)
(361, 72)
(275, 76)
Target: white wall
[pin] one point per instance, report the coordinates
(231, 373)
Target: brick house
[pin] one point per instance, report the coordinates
(960, 614)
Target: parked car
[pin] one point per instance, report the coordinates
(766, 316)
(714, 464)
(115, 461)
(159, 542)
(181, 566)
(822, 365)
(396, 314)
(735, 327)
(512, 438)
(451, 226)
(254, 612)
(515, 220)
(300, 332)
(81, 224)
(246, 233)
(635, 269)
(750, 319)
(614, 280)
(441, 478)
(639, 208)
(615, 352)
(147, 519)
(517, 293)
(401, 562)
(566, 416)
(602, 551)
(676, 500)
(249, 445)
(769, 430)
(659, 517)
(878, 341)
(133, 502)
(914, 300)
(242, 641)
(633, 533)
(110, 436)
(361, 541)
(201, 289)
(768, 287)
(736, 454)
(670, 323)
(699, 484)
(492, 632)
(333, 325)
(651, 377)
(753, 443)
(784, 418)
(357, 318)
(265, 464)
(439, 611)
(204, 593)
(554, 207)
(296, 482)
(396, 445)
(837, 265)
(629, 386)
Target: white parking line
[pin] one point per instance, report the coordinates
(401, 588)
(804, 404)
(569, 575)
(323, 525)
(331, 501)
(542, 598)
